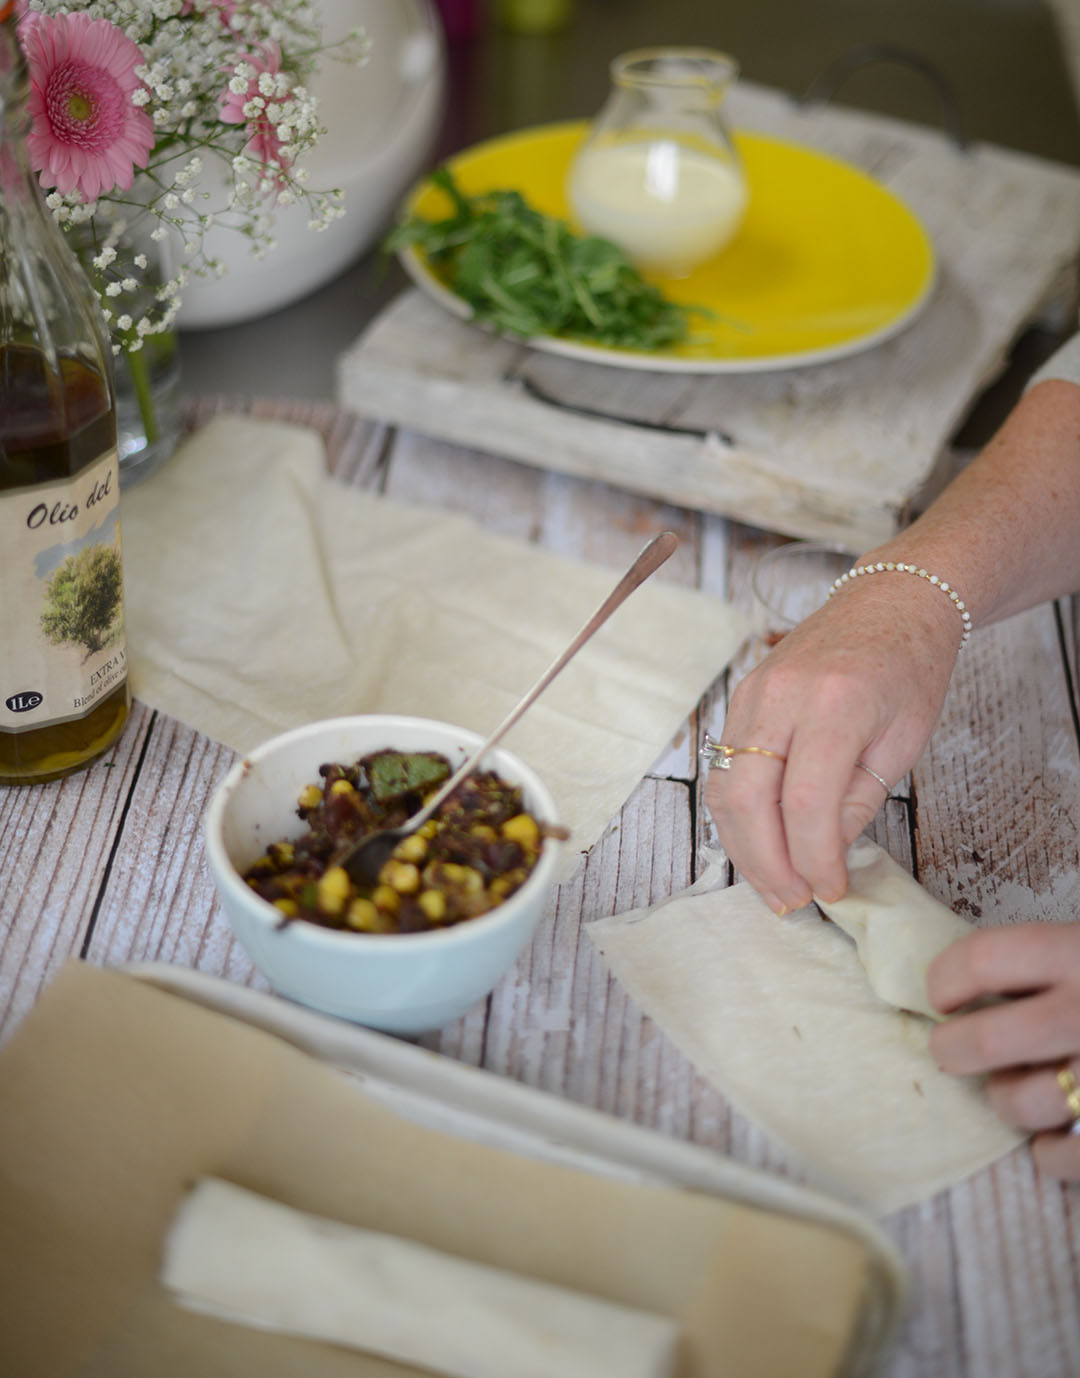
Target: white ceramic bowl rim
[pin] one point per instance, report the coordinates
(333, 939)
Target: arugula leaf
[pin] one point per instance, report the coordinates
(526, 273)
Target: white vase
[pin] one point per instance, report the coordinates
(381, 121)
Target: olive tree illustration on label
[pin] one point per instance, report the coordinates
(61, 616)
(83, 599)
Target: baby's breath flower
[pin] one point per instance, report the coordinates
(223, 82)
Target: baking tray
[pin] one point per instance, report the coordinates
(438, 1093)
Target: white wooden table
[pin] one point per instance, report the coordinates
(108, 864)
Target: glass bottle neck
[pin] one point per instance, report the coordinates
(19, 194)
(15, 177)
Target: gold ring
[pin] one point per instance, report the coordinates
(1067, 1081)
(718, 754)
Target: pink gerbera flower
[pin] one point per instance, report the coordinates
(263, 142)
(86, 134)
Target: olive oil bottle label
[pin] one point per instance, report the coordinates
(62, 647)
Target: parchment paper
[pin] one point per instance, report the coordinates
(779, 1014)
(262, 594)
(117, 1096)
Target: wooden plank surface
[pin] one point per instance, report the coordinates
(56, 845)
(109, 863)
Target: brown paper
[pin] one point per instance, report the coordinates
(117, 1096)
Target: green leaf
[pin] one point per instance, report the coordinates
(527, 274)
(393, 773)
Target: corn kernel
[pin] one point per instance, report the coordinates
(282, 854)
(342, 787)
(411, 848)
(402, 876)
(333, 890)
(287, 906)
(310, 797)
(428, 829)
(364, 916)
(386, 898)
(463, 878)
(522, 829)
(483, 832)
(433, 904)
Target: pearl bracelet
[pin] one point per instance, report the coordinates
(891, 566)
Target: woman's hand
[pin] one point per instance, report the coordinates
(1022, 1043)
(863, 679)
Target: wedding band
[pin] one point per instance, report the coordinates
(1067, 1081)
(880, 779)
(719, 755)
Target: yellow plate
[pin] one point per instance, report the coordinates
(827, 262)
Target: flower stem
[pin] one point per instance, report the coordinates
(140, 377)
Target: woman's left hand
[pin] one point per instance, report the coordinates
(1022, 1043)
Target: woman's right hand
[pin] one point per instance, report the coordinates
(863, 679)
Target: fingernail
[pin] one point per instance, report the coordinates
(776, 904)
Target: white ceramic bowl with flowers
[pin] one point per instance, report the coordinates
(380, 127)
(134, 101)
(403, 983)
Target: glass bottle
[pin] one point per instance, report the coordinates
(63, 677)
(658, 172)
(534, 16)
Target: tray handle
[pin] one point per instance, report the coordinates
(825, 84)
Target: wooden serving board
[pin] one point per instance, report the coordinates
(839, 450)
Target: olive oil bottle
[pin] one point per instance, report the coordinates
(63, 676)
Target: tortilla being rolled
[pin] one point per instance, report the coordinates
(898, 927)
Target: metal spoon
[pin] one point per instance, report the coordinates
(364, 859)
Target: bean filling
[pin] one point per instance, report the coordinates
(473, 854)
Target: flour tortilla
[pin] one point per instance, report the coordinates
(898, 927)
(822, 1053)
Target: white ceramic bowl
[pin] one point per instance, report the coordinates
(404, 983)
(381, 123)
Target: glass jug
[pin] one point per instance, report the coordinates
(658, 173)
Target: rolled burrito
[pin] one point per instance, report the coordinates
(254, 1261)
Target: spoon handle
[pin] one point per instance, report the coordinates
(659, 549)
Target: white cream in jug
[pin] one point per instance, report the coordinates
(668, 207)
